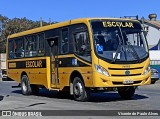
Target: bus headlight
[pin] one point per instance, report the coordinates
(147, 70)
(101, 70)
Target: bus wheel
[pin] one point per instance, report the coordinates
(25, 85)
(80, 93)
(126, 92)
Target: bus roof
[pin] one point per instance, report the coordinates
(61, 24)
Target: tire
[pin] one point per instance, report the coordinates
(25, 85)
(126, 92)
(28, 89)
(80, 93)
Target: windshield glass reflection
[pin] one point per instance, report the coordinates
(119, 43)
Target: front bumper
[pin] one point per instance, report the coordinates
(113, 81)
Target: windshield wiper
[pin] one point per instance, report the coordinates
(134, 52)
(122, 47)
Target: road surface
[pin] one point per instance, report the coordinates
(145, 98)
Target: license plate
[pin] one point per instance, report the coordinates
(128, 81)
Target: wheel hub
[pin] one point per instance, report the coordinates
(24, 86)
(78, 89)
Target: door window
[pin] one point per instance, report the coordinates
(65, 42)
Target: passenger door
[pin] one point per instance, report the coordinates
(54, 61)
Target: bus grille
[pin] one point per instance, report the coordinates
(122, 70)
(125, 68)
(126, 75)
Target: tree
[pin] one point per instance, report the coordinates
(15, 25)
(3, 21)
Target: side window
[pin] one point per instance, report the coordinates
(19, 47)
(31, 46)
(41, 44)
(16, 48)
(82, 45)
(11, 49)
(65, 41)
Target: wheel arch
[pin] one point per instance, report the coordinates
(76, 74)
(23, 73)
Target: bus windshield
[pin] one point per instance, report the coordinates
(119, 41)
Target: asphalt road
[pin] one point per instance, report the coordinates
(146, 98)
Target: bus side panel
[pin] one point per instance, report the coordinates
(65, 74)
(38, 76)
(63, 78)
(87, 75)
(14, 74)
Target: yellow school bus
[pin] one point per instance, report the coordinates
(81, 56)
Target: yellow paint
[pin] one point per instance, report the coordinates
(104, 81)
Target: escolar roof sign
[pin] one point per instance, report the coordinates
(119, 24)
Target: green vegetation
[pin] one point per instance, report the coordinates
(15, 25)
